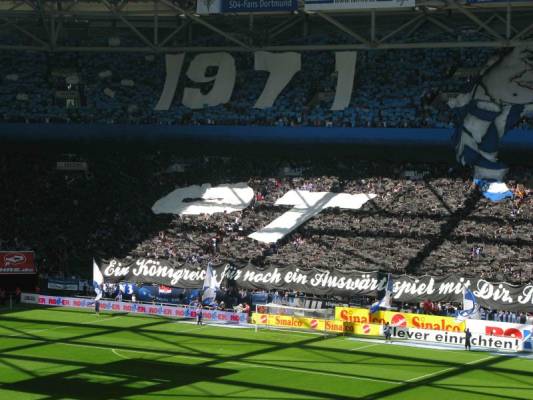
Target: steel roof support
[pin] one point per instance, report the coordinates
(25, 32)
(499, 17)
(373, 26)
(156, 23)
(118, 14)
(343, 28)
(487, 22)
(508, 25)
(402, 27)
(339, 47)
(16, 5)
(456, 6)
(40, 10)
(440, 24)
(416, 27)
(523, 32)
(182, 26)
(292, 22)
(280, 25)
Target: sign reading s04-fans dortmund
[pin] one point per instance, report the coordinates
(333, 5)
(244, 6)
(501, 295)
(239, 6)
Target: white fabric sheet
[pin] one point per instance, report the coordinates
(229, 198)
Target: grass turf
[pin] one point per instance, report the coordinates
(73, 354)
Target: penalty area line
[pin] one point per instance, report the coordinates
(248, 365)
(22, 334)
(415, 379)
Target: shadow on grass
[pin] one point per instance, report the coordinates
(120, 379)
(114, 379)
(166, 337)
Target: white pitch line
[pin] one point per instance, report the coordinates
(118, 354)
(366, 347)
(192, 329)
(445, 370)
(61, 327)
(278, 368)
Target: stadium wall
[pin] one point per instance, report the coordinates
(518, 138)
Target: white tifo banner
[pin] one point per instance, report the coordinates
(228, 198)
(306, 205)
(334, 5)
(227, 317)
(281, 69)
(499, 343)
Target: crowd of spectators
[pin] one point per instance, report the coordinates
(392, 88)
(438, 224)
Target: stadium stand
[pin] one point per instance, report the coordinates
(395, 88)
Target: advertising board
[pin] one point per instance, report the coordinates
(136, 308)
(400, 319)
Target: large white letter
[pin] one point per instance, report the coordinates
(223, 80)
(345, 67)
(306, 205)
(282, 67)
(173, 63)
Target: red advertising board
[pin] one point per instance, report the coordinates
(17, 262)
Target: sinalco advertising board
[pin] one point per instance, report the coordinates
(315, 324)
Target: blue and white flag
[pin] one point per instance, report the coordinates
(210, 286)
(494, 191)
(126, 288)
(499, 98)
(470, 307)
(386, 300)
(98, 281)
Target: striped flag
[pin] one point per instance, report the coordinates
(386, 300)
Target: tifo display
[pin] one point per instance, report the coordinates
(215, 316)
(485, 336)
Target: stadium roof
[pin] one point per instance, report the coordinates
(159, 26)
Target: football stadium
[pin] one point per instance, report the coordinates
(266, 199)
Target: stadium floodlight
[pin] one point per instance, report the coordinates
(279, 316)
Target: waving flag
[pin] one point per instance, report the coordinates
(494, 191)
(499, 98)
(385, 301)
(470, 307)
(98, 280)
(210, 285)
(164, 289)
(126, 288)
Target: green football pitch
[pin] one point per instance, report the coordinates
(74, 354)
